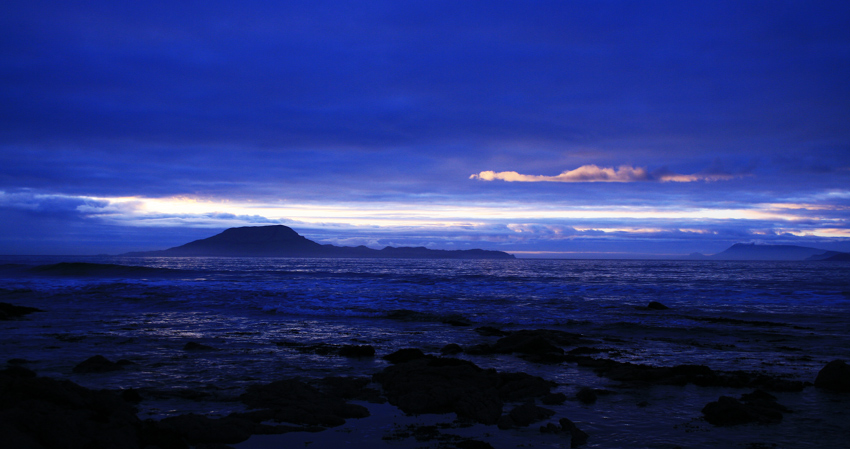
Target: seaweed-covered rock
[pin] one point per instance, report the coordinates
(834, 376)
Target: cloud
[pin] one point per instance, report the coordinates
(594, 173)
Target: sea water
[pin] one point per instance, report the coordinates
(781, 318)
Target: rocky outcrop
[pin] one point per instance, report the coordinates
(655, 305)
(834, 376)
(293, 401)
(10, 311)
(195, 346)
(757, 407)
(99, 364)
(39, 413)
(524, 415)
(420, 384)
(577, 436)
(701, 375)
(44, 413)
(538, 345)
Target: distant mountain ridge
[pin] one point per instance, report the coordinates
(282, 241)
(752, 251)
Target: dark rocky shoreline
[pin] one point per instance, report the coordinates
(41, 412)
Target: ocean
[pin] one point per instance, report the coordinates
(783, 319)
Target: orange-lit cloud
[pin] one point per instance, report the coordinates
(594, 173)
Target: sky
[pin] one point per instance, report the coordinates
(614, 129)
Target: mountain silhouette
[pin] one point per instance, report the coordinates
(282, 241)
(752, 251)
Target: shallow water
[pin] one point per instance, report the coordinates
(786, 318)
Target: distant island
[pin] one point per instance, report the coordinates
(282, 241)
(752, 251)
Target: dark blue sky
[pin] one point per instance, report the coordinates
(591, 128)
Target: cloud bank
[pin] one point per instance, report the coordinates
(594, 173)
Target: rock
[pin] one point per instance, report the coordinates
(655, 305)
(445, 385)
(451, 349)
(357, 351)
(521, 386)
(18, 371)
(404, 355)
(457, 321)
(131, 395)
(550, 428)
(584, 350)
(294, 401)
(195, 346)
(759, 407)
(701, 375)
(578, 437)
(553, 398)
(586, 395)
(834, 376)
(480, 349)
(473, 444)
(537, 346)
(9, 311)
(505, 422)
(43, 413)
(198, 429)
(351, 388)
(18, 361)
(490, 331)
(528, 413)
(537, 341)
(97, 364)
(412, 315)
(39, 412)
